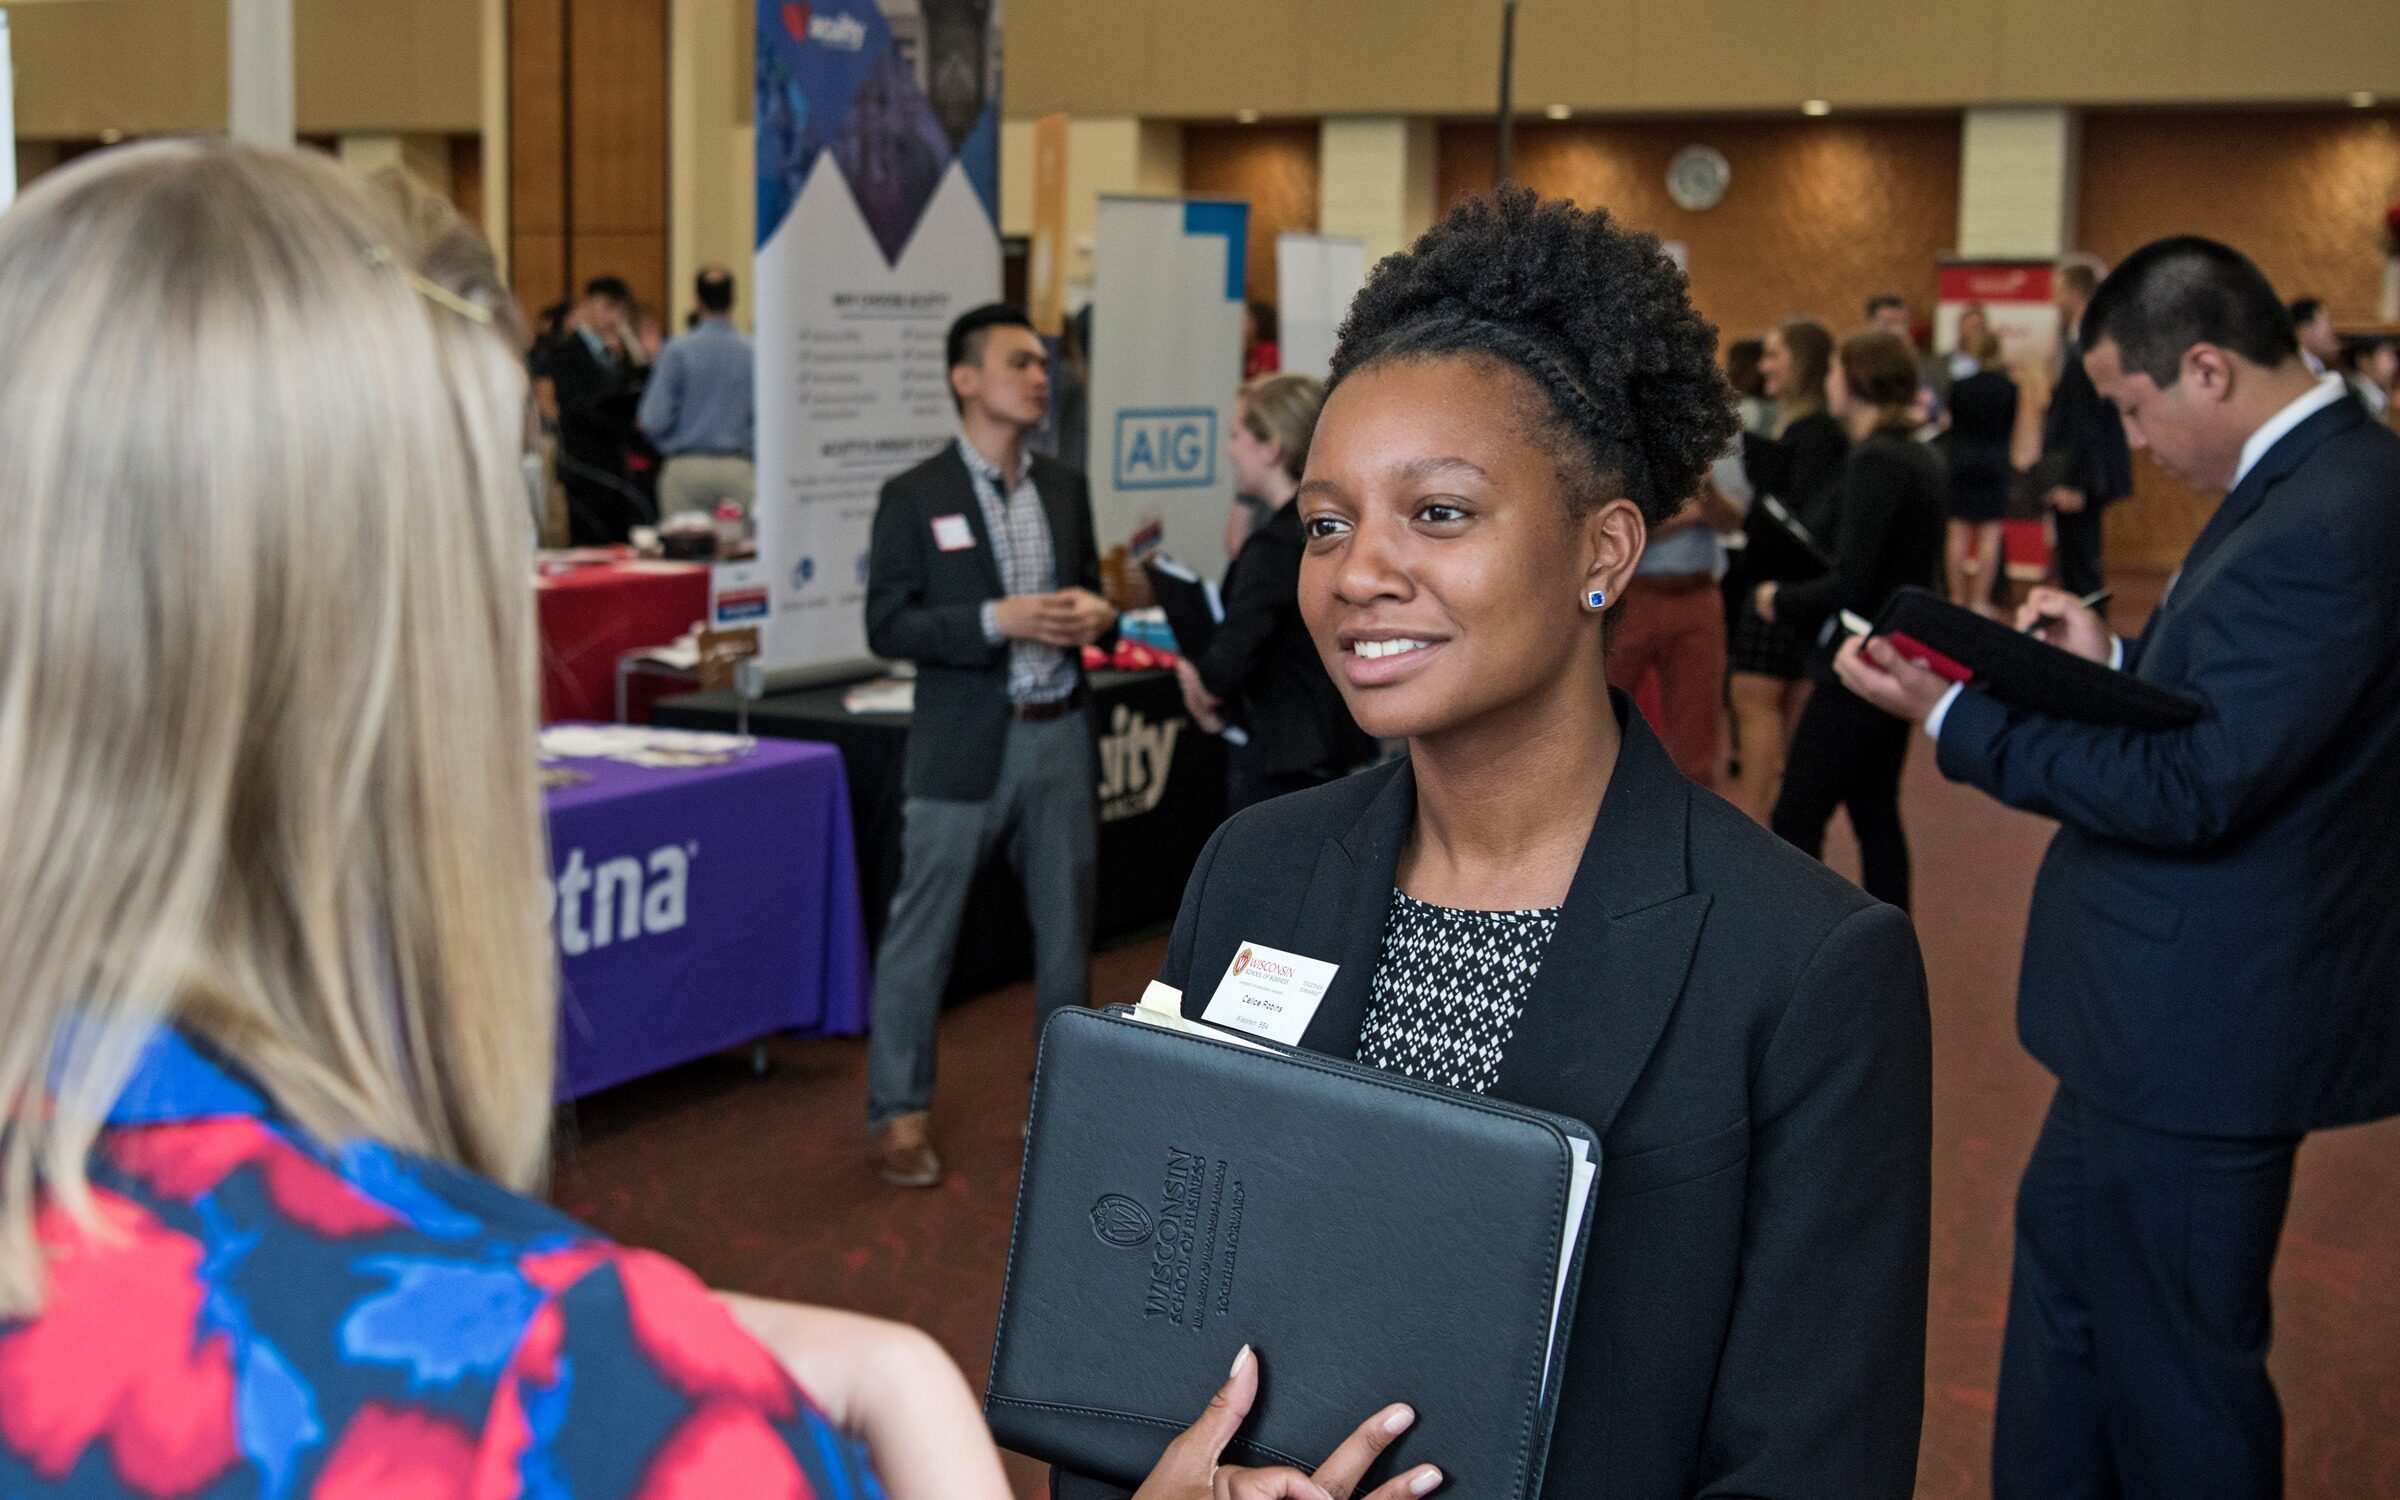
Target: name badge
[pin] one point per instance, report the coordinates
(952, 534)
(1268, 992)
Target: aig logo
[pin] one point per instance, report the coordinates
(1169, 448)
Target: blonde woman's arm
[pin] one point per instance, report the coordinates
(889, 1385)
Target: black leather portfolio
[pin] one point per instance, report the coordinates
(1374, 1238)
(2027, 673)
(1191, 605)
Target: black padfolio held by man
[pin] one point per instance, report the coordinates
(1188, 1191)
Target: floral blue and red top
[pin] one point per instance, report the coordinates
(268, 1318)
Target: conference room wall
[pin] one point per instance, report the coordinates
(1273, 168)
(152, 67)
(2302, 192)
(1819, 216)
(1305, 58)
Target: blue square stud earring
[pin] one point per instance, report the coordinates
(1597, 598)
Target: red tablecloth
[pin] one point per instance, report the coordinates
(592, 615)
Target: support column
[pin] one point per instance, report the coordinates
(493, 121)
(259, 81)
(712, 203)
(2017, 171)
(1377, 180)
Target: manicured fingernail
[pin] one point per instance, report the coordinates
(1397, 1422)
(1423, 1484)
(1241, 1362)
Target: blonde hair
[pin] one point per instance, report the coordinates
(267, 704)
(1282, 409)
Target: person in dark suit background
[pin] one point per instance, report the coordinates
(2210, 961)
(983, 571)
(1887, 535)
(1536, 903)
(2084, 461)
(1260, 676)
(597, 383)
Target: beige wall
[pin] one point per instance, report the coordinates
(1315, 57)
(149, 67)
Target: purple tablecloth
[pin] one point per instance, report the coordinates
(700, 908)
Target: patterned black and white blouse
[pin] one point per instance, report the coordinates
(1449, 989)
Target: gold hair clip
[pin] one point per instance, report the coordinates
(442, 295)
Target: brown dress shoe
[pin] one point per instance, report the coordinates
(904, 1152)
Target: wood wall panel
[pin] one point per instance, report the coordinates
(1274, 168)
(1821, 214)
(537, 116)
(641, 258)
(537, 270)
(2300, 192)
(617, 116)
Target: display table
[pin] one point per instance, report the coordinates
(1162, 793)
(698, 908)
(594, 614)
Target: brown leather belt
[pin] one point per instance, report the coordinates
(1043, 713)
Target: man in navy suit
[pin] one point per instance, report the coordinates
(2212, 967)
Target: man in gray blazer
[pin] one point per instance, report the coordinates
(983, 572)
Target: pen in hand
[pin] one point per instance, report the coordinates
(2039, 626)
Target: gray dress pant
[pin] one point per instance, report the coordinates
(1042, 812)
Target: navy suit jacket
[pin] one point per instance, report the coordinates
(925, 605)
(1748, 1033)
(2215, 940)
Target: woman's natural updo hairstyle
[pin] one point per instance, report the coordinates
(1595, 315)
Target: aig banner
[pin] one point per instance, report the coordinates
(1166, 359)
(878, 202)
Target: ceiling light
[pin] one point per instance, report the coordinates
(1245, 116)
(1814, 107)
(1558, 112)
(2362, 100)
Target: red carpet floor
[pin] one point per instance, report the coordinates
(765, 1186)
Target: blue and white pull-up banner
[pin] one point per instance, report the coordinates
(1166, 361)
(878, 203)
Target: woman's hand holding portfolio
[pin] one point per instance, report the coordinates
(1189, 1470)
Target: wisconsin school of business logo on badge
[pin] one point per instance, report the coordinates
(1121, 1222)
(1241, 961)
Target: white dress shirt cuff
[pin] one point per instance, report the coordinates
(2116, 653)
(991, 623)
(1941, 711)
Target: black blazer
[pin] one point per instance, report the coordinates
(1889, 516)
(596, 400)
(1983, 421)
(2083, 437)
(1263, 663)
(926, 605)
(1748, 1033)
(1801, 467)
(2214, 947)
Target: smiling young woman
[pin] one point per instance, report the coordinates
(1537, 905)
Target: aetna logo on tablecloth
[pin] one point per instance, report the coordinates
(1135, 756)
(620, 899)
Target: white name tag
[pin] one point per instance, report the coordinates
(952, 534)
(1268, 992)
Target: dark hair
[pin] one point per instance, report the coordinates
(713, 288)
(2185, 290)
(1594, 315)
(1263, 322)
(1811, 349)
(2079, 274)
(1741, 367)
(612, 288)
(1879, 369)
(969, 334)
(1882, 300)
(2304, 311)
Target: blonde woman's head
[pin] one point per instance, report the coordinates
(1275, 417)
(267, 697)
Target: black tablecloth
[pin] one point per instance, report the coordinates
(1162, 793)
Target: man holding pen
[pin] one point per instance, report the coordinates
(2210, 965)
